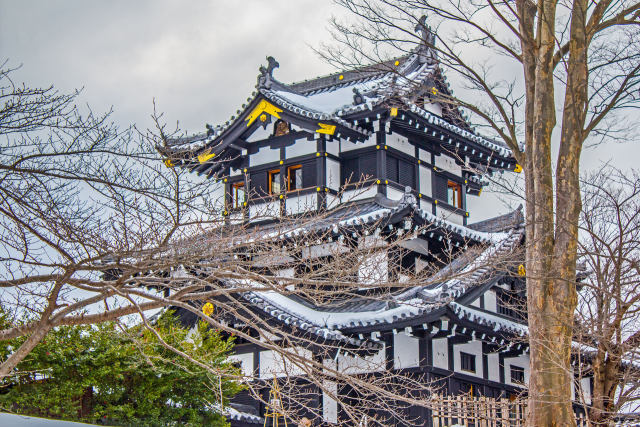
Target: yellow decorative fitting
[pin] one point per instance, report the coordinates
(378, 182)
(522, 271)
(225, 180)
(466, 213)
(326, 154)
(396, 63)
(244, 204)
(202, 158)
(435, 202)
(434, 91)
(340, 77)
(317, 154)
(225, 213)
(263, 107)
(386, 181)
(207, 309)
(326, 128)
(394, 112)
(263, 118)
(419, 162)
(479, 191)
(244, 170)
(377, 147)
(518, 168)
(281, 162)
(419, 195)
(385, 147)
(281, 197)
(466, 182)
(326, 190)
(317, 188)
(168, 163)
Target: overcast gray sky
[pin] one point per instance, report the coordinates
(199, 59)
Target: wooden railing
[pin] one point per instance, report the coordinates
(480, 411)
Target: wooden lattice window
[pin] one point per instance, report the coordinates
(517, 374)
(294, 177)
(274, 181)
(236, 195)
(454, 194)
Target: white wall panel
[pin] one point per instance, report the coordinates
(301, 204)
(406, 351)
(425, 180)
(424, 155)
(440, 353)
(333, 174)
(300, 148)
(333, 147)
(259, 134)
(520, 362)
(445, 213)
(264, 155)
(265, 210)
(401, 143)
(346, 145)
(350, 364)
(359, 194)
(493, 362)
(278, 364)
(490, 302)
(329, 404)
(394, 194)
(473, 347)
(449, 164)
(246, 362)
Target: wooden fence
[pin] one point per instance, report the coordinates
(479, 411)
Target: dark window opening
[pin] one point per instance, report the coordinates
(467, 362)
(517, 374)
(236, 195)
(454, 194)
(281, 128)
(294, 178)
(358, 168)
(274, 181)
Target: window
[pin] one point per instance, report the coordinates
(517, 374)
(294, 177)
(274, 181)
(467, 362)
(454, 194)
(357, 168)
(236, 195)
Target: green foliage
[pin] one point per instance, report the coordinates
(102, 374)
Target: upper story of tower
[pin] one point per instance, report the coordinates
(384, 128)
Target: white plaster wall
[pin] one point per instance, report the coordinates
(217, 195)
(346, 145)
(324, 249)
(476, 302)
(449, 216)
(585, 389)
(333, 174)
(332, 201)
(264, 210)
(401, 143)
(264, 155)
(301, 204)
(406, 351)
(449, 164)
(350, 364)
(234, 172)
(333, 147)
(275, 363)
(259, 134)
(425, 205)
(329, 404)
(394, 194)
(246, 362)
(521, 362)
(359, 194)
(493, 365)
(440, 353)
(473, 347)
(300, 148)
(425, 180)
(424, 155)
(490, 302)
